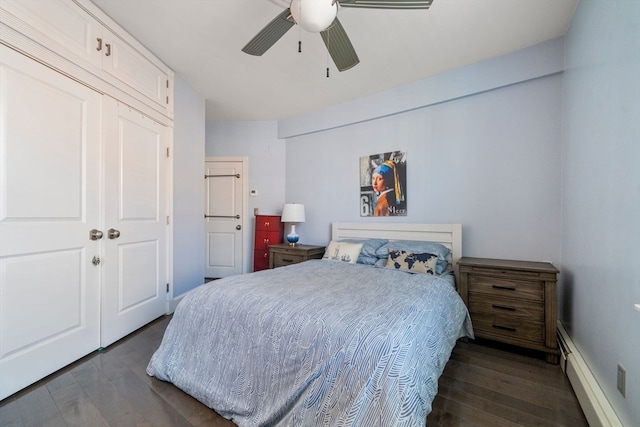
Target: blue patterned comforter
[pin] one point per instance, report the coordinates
(316, 343)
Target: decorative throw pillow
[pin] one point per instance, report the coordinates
(343, 251)
(414, 262)
(369, 247)
(416, 247)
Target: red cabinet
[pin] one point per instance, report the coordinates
(269, 231)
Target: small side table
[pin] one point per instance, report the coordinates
(285, 254)
(513, 302)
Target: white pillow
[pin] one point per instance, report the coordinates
(343, 251)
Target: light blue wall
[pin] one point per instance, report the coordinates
(488, 158)
(601, 194)
(526, 64)
(266, 160)
(536, 164)
(188, 188)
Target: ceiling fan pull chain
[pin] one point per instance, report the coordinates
(328, 43)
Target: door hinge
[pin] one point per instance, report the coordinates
(167, 100)
(168, 151)
(168, 220)
(167, 288)
(167, 83)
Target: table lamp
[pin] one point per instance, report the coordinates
(293, 213)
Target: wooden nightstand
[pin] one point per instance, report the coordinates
(285, 254)
(512, 302)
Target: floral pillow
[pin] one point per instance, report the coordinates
(343, 251)
(414, 262)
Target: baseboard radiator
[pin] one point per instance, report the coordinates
(593, 402)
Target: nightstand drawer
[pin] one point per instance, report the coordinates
(505, 287)
(510, 329)
(285, 254)
(506, 307)
(281, 259)
(503, 272)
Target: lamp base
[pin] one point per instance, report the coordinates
(292, 237)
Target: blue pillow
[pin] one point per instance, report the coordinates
(382, 253)
(368, 254)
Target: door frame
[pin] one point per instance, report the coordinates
(245, 200)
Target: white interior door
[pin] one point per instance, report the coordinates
(49, 201)
(135, 259)
(223, 217)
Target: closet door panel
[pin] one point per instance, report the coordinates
(135, 269)
(49, 201)
(61, 26)
(133, 69)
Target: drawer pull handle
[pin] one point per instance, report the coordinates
(506, 328)
(503, 307)
(266, 255)
(505, 288)
(287, 260)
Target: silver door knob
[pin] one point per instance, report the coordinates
(95, 234)
(238, 227)
(113, 233)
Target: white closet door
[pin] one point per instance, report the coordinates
(50, 137)
(136, 191)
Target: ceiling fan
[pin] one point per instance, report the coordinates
(320, 16)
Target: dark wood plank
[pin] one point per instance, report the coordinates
(10, 414)
(37, 408)
(514, 386)
(113, 406)
(75, 406)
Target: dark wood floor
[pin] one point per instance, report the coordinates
(481, 386)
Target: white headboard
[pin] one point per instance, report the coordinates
(449, 235)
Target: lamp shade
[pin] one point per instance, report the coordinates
(293, 212)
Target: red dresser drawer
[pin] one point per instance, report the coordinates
(260, 260)
(265, 238)
(268, 223)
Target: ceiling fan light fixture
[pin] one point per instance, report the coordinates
(314, 15)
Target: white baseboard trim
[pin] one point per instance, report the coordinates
(594, 404)
(174, 303)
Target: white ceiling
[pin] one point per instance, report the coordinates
(201, 40)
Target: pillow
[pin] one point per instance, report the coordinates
(414, 262)
(369, 247)
(419, 247)
(343, 251)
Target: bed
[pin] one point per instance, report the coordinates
(323, 342)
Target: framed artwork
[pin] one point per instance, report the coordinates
(383, 184)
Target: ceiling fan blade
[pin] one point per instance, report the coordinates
(387, 4)
(339, 46)
(270, 34)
